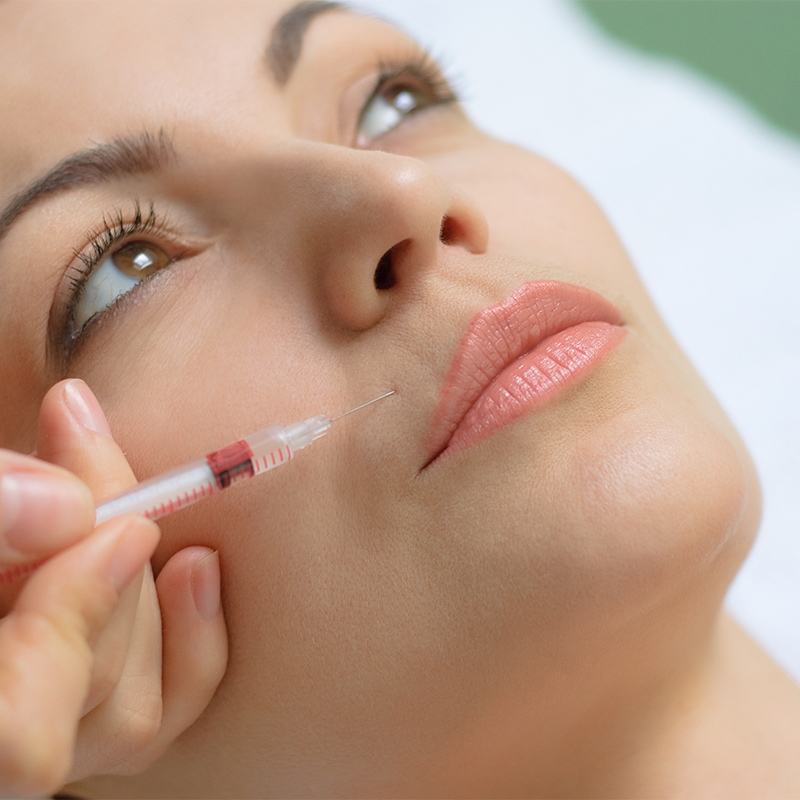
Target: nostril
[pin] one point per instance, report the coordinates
(384, 273)
(447, 230)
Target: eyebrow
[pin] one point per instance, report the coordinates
(123, 157)
(286, 42)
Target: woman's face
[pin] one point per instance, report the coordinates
(301, 230)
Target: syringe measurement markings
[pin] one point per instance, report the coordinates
(263, 463)
(157, 511)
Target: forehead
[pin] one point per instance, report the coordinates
(76, 72)
(127, 37)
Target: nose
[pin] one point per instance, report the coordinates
(373, 223)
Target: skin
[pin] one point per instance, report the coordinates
(536, 615)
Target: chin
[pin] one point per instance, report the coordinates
(667, 503)
(608, 513)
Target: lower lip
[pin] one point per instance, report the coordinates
(534, 379)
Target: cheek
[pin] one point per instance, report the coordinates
(203, 363)
(181, 383)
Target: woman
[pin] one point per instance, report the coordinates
(504, 580)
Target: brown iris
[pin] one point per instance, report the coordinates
(140, 259)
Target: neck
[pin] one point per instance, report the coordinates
(727, 724)
(737, 731)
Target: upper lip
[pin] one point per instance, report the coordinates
(500, 334)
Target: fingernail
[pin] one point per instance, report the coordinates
(205, 586)
(84, 407)
(41, 513)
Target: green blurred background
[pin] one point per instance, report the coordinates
(750, 46)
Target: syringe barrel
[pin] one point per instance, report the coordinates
(163, 494)
(178, 488)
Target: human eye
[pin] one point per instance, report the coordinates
(121, 256)
(402, 89)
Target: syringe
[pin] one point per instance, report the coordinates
(183, 486)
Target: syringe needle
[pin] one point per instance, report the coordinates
(363, 405)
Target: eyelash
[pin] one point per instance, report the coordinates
(114, 231)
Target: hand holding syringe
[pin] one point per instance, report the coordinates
(183, 486)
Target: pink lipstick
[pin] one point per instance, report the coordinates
(518, 355)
